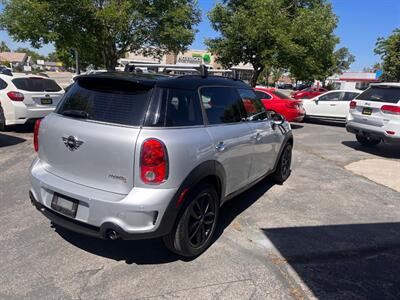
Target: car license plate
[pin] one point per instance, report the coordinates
(367, 111)
(46, 101)
(64, 205)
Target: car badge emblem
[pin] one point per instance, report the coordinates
(72, 143)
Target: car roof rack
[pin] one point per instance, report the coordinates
(203, 70)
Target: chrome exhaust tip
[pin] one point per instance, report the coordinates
(112, 235)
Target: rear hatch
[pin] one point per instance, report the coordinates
(91, 138)
(370, 103)
(39, 91)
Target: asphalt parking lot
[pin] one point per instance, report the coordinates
(328, 232)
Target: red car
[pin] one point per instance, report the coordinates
(279, 102)
(309, 93)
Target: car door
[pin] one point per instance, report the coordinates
(326, 104)
(343, 106)
(265, 138)
(231, 135)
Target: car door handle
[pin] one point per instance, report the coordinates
(220, 146)
(333, 104)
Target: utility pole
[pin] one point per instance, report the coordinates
(77, 69)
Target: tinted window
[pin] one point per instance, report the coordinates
(252, 105)
(261, 95)
(183, 108)
(222, 105)
(107, 100)
(3, 84)
(36, 84)
(381, 94)
(330, 97)
(349, 96)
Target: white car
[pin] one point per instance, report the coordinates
(333, 105)
(26, 97)
(375, 115)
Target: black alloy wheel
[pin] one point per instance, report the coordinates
(196, 223)
(201, 220)
(283, 169)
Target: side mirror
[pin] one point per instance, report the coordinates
(278, 119)
(316, 100)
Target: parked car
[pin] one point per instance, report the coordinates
(281, 103)
(375, 115)
(333, 105)
(309, 93)
(139, 156)
(285, 86)
(26, 97)
(301, 86)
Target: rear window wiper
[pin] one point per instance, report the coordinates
(76, 113)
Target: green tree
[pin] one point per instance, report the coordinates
(389, 50)
(4, 47)
(286, 34)
(342, 61)
(103, 30)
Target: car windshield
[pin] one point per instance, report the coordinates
(36, 84)
(388, 94)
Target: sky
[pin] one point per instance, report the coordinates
(361, 22)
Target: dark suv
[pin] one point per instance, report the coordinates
(134, 156)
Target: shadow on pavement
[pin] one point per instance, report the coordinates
(296, 126)
(26, 128)
(383, 150)
(354, 261)
(8, 140)
(326, 122)
(153, 251)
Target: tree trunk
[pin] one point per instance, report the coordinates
(257, 71)
(110, 56)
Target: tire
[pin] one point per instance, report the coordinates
(3, 126)
(283, 170)
(367, 141)
(196, 224)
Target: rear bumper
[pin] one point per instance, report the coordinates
(22, 113)
(294, 115)
(369, 132)
(143, 213)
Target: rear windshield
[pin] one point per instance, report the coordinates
(107, 100)
(36, 84)
(281, 95)
(381, 94)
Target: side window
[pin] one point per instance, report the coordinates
(252, 105)
(349, 96)
(262, 95)
(221, 104)
(183, 109)
(3, 84)
(335, 96)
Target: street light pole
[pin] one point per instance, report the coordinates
(77, 69)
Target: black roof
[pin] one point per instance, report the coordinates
(182, 82)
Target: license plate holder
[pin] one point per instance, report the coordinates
(367, 111)
(46, 101)
(64, 205)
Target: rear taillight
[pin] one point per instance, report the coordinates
(36, 135)
(153, 162)
(391, 109)
(15, 96)
(353, 104)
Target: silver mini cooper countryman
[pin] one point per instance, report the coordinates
(128, 156)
